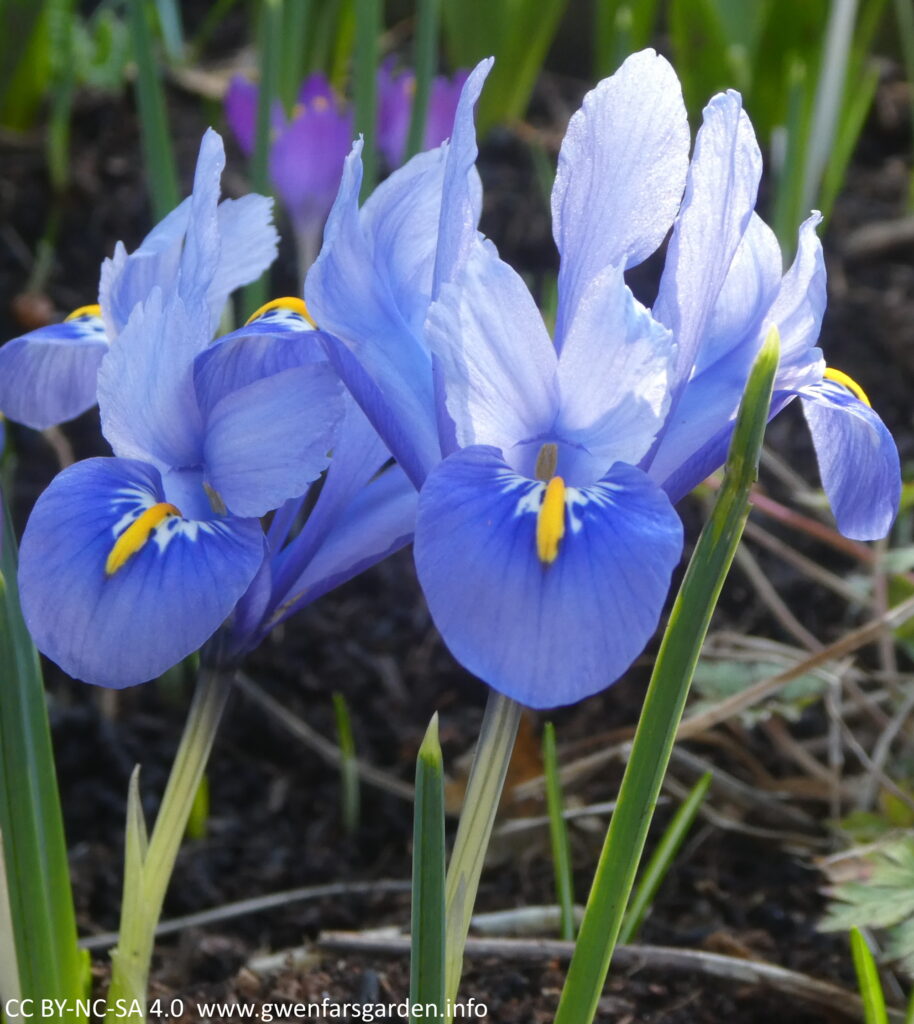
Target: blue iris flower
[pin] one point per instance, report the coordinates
(545, 536)
(49, 375)
(130, 563)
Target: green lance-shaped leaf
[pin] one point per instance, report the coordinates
(35, 852)
(665, 700)
(868, 980)
(426, 973)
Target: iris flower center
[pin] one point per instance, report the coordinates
(848, 382)
(550, 521)
(137, 534)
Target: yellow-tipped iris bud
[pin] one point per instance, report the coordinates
(95, 310)
(550, 522)
(290, 302)
(842, 378)
(137, 534)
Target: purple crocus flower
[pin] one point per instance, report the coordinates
(49, 375)
(306, 152)
(545, 537)
(396, 90)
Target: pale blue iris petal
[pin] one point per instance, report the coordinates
(378, 521)
(858, 460)
(497, 363)
(128, 278)
(404, 426)
(621, 172)
(160, 606)
(248, 243)
(358, 455)
(716, 209)
(49, 375)
(798, 311)
(267, 441)
(741, 314)
(613, 373)
(145, 385)
(400, 218)
(202, 244)
(260, 349)
(544, 635)
(461, 202)
(350, 297)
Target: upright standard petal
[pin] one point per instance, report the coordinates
(858, 460)
(620, 177)
(613, 373)
(49, 375)
(267, 441)
(202, 244)
(545, 633)
(146, 388)
(461, 201)
(116, 585)
(497, 363)
(718, 204)
(248, 243)
(385, 365)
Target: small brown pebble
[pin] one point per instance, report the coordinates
(32, 310)
(247, 983)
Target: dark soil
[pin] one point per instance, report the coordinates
(275, 805)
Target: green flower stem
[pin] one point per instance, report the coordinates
(427, 18)
(665, 701)
(367, 31)
(558, 833)
(487, 779)
(146, 878)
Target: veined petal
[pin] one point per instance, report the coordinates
(248, 243)
(461, 201)
(358, 455)
(798, 311)
(49, 375)
(267, 441)
(162, 603)
(858, 460)
(265, 346)
(378, 521)
(146, 388)
(497, 362)
(388, 367)
(613, 373)
(718, 203)
(128, 278)
(621, 171)
(202, 244)
(400, 218)
(544, 634)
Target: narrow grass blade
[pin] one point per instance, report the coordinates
(426, 55)
(904, 15)
(296, 28)
(665, 701)
(868, 982)
(484, 788)
(172, 29)
(349, 765)
(367, 31)
(9, 965)
(37, 873)
(426, 967)
(662, 860)
(270, 37)
(621, 28)
(558, 833)
(158, 154)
